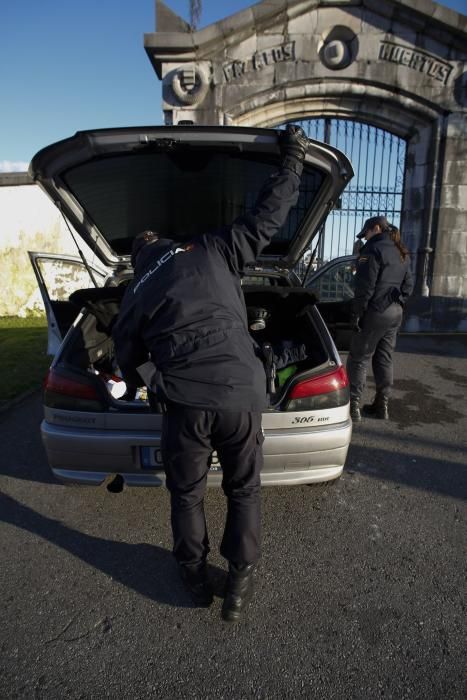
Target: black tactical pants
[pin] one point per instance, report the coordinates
(375, 342)
(189, 437)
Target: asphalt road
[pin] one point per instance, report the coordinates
(360, 592)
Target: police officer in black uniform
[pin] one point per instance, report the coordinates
(383, 282)
(185, 309)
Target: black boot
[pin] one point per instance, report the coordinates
(238, 591)
(379, 407)
(355, 414)
(195, 580)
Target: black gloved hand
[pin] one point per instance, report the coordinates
(354, 323)
(293, 145)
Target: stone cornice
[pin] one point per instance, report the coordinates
(183, 46)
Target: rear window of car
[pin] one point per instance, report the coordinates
(179, 194)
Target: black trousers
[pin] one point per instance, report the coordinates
(189, 436)
(376, 342)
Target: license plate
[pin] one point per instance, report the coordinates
(151, 458)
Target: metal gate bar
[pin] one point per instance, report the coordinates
(378, 158)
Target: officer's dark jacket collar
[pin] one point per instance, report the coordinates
(148, 252)
(383, 236)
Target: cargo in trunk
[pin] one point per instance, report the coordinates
(282, 323)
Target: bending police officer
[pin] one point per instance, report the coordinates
(185, 308)
(383, 282)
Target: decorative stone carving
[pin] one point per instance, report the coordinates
(415, 59)
(336, 54)
(338, 48)
(190, 84)
(260, 60)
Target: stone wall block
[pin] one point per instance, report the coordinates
(329, 17)
(452, 219)
(454, 196)
(237, 24)
(242, 51)
(421, 151)
(457, 126)
(233, 94)
(284, 74)
(416, 197)
(416, 177)
(306, 24)
(449, 242)
(262, 14)
(369, 44)
(306, 49)
(453, 283)
(455, 171)
(405, 16)
(411, 239)
(401, 32)
(218, 77)
(374, 21)
(269, 41)
(432, 46)
(380, 7)
(412, 218)
(456, 149)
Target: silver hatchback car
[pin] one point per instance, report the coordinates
(111, 184)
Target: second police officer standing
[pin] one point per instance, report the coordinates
(383, 282)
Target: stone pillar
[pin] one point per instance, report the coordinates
(449, 275)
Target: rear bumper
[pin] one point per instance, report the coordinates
(86, 456)
(68, 476)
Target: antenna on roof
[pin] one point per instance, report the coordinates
(195, 13)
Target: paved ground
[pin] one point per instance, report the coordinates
(360, 592)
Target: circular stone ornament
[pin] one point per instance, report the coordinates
(338, 48)
(336, 54)
(190, 84)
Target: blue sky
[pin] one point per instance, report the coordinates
(68, 65)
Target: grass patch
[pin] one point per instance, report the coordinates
(23, 355)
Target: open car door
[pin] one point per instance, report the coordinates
(58, 276)
(334, 287)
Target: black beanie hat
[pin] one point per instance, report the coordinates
(372, 222)
(140, 240)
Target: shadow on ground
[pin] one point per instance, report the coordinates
(146, 569)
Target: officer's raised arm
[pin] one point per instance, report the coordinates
(244, 240)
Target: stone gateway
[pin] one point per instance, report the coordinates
(399, 65)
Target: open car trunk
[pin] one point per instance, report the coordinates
(293, 328)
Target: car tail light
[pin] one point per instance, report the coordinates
(328, 390)
(72, 393)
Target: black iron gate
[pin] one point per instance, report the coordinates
(378, 159)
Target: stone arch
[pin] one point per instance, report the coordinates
(403, 116)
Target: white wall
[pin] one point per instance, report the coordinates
(28, 221)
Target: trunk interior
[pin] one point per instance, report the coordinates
(290, 328)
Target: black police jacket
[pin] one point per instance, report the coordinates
(185, 308)
(382, 278)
